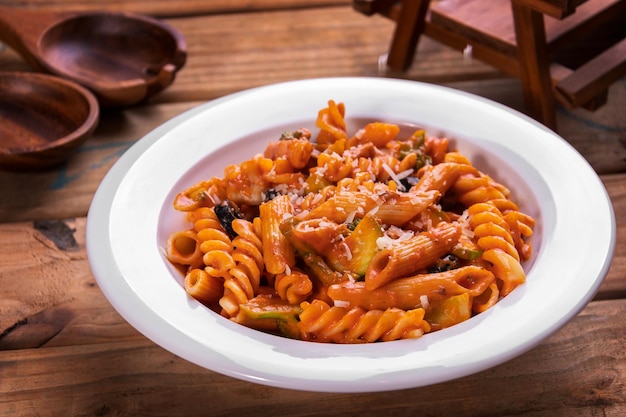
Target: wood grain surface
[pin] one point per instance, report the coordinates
(64, 350)
(68, 307)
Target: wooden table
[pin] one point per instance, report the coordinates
(65, 351)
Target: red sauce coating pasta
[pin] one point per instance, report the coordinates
(352, 237)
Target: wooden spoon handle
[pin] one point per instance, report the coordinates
(21, 29)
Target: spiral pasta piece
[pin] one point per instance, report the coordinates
(322, 323)
(487, 299)
(296, 152)
(211, 234)
(203, 194)
(246, 183)
(214, 243)
(520, 225)
(331, 122)
(491, 230)
(505, 268)
(377, 133)
(245, 275)
(494, 237)
(333, 166)
(294, 286)
(203, 287)
(472, 189)
(183, 248)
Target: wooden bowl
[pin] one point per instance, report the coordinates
(123, 58)
(43, 120)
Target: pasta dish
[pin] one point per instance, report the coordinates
(351, 237)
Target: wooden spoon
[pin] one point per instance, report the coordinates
(123, 58)
(43, 119)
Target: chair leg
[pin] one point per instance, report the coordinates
(409, 27)
(535, 68)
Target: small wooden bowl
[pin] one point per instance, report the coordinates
(123, 58)
(43, 120)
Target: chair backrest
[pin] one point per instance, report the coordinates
(555, 8)
(524, 38)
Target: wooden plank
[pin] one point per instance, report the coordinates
(587, 81)
(576, 372)
(599, 136)
(505, 62)
(369, 7)
(50, 298)
(491, 22)
(590, 17)
(231, 52)
(555, 8)
(318, 43)
(409, 29)
(534, 60)
(64, 306)
(173, 8)
(488, 23)
(67, 192)
(345, 43)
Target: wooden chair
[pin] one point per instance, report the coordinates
(568, 51)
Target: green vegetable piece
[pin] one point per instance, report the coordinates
(362, 244)
(451, 311)
(316, 264)
(296, 134)
(316, 182)
(354, 224)
(290, 329)
(466, 251)
(264, 307)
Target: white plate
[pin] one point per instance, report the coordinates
(131, 216)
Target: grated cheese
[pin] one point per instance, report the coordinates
(405, 174)
(393, 176)
(348, 251)
(386, 241)
(342, 304)
(214, 199)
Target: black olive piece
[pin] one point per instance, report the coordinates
(270, 195)
(444, 264)
(226, 212)
(408, 182)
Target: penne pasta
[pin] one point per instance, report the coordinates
(277, 251)
(414, 291)
(411, 255)
(394, 208)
